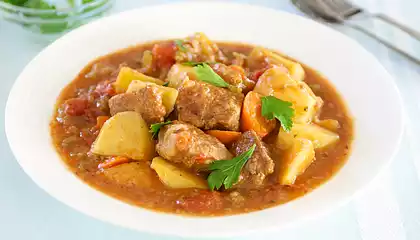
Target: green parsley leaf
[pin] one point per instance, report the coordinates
(226, 172)
(165, 84)
(273, 107)
(206, 74)
(180, 46)
(155, 128)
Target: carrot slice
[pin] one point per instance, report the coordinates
(114, 161)
(226, 137)
(251, 118)
(100, 121)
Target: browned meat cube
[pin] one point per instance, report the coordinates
(209, 107)
(186, 144)
(146, 101)
(259, 165)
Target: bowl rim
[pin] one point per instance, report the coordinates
(324, 207)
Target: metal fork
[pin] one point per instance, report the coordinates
(341, 11)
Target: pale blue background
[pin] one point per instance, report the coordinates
(389, 210)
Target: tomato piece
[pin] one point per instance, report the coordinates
(75, 106)
(105, 89)
(164, 54)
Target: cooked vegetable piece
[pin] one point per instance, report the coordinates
(169, 95)
(176, 177)
(319, 136)
(251, 117)
(125, 134)
(114, 161)
(147, 62)
(273, 107)
(330, 124)
(164, 54)
(276, 83)
(178, 74)
(225, 137)
(296, 160)
(134, 174)
(127, 75)
(226, 172)
(259, 55)
(100, 121)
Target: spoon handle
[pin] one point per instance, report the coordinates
(388, 43)
(412, 32)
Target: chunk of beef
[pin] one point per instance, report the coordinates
(209, 107)
(186, 144)
(260, 164)
(146, 101)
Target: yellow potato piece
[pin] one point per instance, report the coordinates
(126, 75)
(276, 83)
(138, 174)
(296, 70)
(296, 160)
(125, 134)
(178, 74)
(175, 177)
(169, 95)
(319, 136)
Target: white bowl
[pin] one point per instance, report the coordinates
(364, 84)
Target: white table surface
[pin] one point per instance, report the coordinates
(388, 209)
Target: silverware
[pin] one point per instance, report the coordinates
(341, 12)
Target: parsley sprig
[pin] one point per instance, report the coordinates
(206, 74)
(273, 107)
(180, 45)
(155, 128)
(226, 172)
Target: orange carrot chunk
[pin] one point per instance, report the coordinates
(251, 118)
(226, 137)
(114, 161)
(100, 121)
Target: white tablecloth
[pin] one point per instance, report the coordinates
(388, 209)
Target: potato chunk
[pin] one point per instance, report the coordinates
(258, 54)
(137, 174)
(296, 160)
(169, 95)
(125, 134)
(319, 136)
(127, 75)
(279, 84)
(175, 177)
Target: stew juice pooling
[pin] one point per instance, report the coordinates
(193, 127)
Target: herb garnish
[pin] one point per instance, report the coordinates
(155, 128)
(226, 172)
(179, 43)
(206, 74)
(273, 107)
